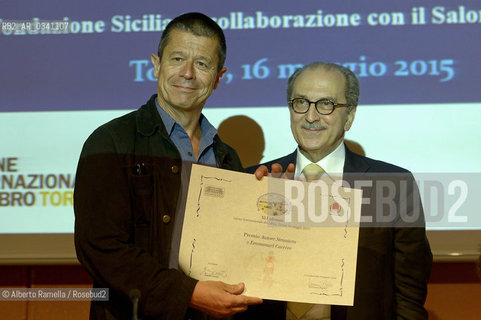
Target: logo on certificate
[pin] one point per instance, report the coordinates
(213, 191)
(273, 204)
(335, 209)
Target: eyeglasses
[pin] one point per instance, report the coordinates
(323, 106)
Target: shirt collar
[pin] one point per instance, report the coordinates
(208, 130)
(333, 163)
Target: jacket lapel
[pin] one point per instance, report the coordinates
(354, 163)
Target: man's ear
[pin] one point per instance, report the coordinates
(350, 118)
(156, 62)
(219, 76)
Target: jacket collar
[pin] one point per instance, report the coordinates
(355, 168)
(354, 162)
(148, 119)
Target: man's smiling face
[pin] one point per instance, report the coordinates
(318, 135)
(187, 71)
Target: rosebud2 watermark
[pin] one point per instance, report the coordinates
(442, 200)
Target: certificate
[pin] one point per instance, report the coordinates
(285, 239)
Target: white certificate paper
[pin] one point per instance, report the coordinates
(285, 239)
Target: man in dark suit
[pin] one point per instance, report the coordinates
(394, 258)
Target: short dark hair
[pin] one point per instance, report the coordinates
(200, 25)
(352, 84)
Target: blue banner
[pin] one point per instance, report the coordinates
(91, 55)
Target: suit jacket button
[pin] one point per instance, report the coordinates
(166, 218)
(174, 169)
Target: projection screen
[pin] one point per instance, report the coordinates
(68, 67)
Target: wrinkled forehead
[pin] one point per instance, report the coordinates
(320, 82)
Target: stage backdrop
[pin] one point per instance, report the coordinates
(67, 67)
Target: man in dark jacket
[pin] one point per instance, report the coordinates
(394, 258)
(132, 178)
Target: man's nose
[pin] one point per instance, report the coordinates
(188, 71)
(312, 115)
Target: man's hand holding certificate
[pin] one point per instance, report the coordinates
(285, 239)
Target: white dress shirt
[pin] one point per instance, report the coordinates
(333, 163)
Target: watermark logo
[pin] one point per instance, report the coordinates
(387, 200)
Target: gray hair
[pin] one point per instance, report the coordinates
(352, 84)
